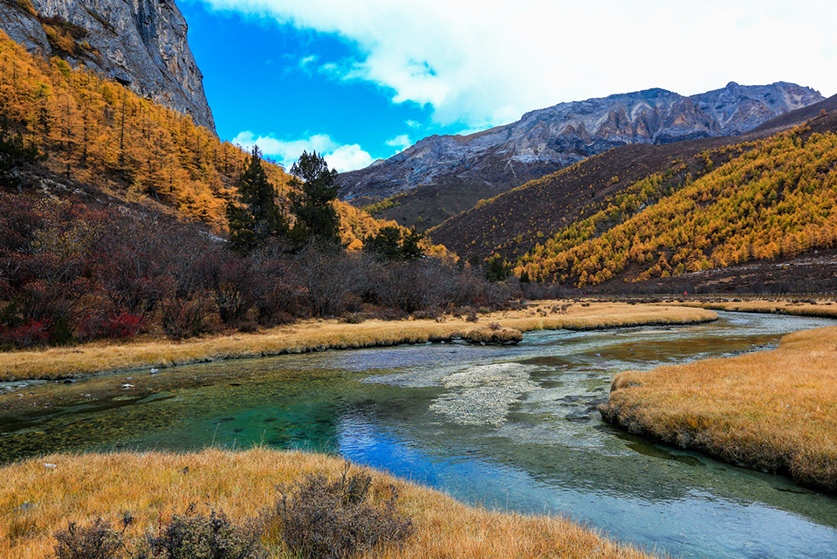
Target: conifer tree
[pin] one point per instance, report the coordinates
(317, 220)
(254, 218)
(14, 153)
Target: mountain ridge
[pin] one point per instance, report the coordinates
(487, 163)
(568, 195)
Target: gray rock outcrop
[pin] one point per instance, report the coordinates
(550, 139)
(139, 43)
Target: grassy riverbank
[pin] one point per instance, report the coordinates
(772, 410)
(36, 501)
(824, 309)
(315, 335)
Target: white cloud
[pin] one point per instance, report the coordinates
(340, 157)
(400, 143)
(348, 158)
(485, 63)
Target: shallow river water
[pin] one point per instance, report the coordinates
(511, 427)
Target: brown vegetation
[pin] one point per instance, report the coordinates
(825, 309)
(773, 410)
(38, 501)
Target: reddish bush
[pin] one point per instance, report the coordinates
(124, 325)
(34, 332)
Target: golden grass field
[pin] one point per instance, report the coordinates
(242, 484)
(315, 335)
(770, 410)
(823, 309)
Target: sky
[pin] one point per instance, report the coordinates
(360, 80)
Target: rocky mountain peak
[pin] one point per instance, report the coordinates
(546, 140)
(139, 43)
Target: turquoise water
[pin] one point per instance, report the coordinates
(511, 427)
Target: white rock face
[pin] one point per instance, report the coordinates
(140, 43)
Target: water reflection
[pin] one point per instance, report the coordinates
(511, 427)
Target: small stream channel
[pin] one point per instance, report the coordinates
(512, 427)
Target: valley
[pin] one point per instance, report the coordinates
(603, 328)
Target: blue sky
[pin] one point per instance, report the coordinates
(265, 81)
(359, 80)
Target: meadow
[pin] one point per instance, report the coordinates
(774, 410)
(36, 501)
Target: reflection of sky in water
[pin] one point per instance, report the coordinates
(691, 522)
(509, 427)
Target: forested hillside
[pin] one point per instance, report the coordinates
(100, 133)
(773, 198)
(114, 213)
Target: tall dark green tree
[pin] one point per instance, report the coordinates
(317, 220)
(15, 154)
(254, 218)
(391, 243)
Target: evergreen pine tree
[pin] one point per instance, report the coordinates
(316, 218)
(14, 153)
(255, 217)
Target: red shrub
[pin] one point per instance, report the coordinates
(34, 332)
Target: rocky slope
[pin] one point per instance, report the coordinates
(547, 140)
(139, 43)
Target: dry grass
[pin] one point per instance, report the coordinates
(773, 410)
(315, 335)
(36, 501)
(491, 336)
(825, 309)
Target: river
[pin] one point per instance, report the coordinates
(508, 427)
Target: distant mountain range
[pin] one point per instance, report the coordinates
(456, 171)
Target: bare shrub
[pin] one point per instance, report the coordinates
(322, 519)
(183, 318)
(97, 541)
(196, 536)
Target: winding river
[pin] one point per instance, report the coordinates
(510, 427)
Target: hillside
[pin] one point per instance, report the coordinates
(100, 134)
(557, 200)
(772, 198)
(441, 176)
(141, 44)
(776, 199)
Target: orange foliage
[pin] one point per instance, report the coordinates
(101, 133)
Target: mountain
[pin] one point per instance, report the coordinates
(639, 213)
(515, 222)
(444, 175)
(138, 43)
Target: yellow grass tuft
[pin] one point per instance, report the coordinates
(36, 501)
(317, 335)
(773, 410)
(490, 336)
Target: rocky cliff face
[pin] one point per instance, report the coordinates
(139, 43)
(547, 140)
